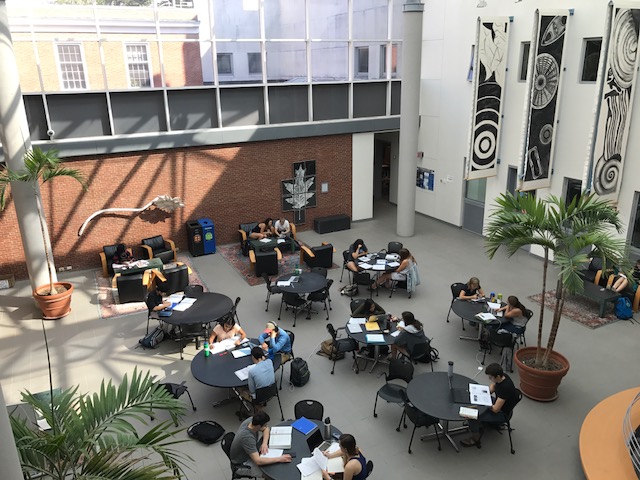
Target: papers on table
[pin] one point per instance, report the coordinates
(468, 412)
(184, 304)
(226, 344)
(393, 264)
(304, 425)
(175, 298)
(265, 240)
(280, 437)
(287, 283)
(480, 394)
(281, 240)
(391, 256)
(493, 305)
(485, 317)
(366, 266)
(381, 262)
(273, 452)
(311, 467)
(241, 352)
(243, 373)
(379, 266)
(357, 320)
(354, 328)
(372, 326)
(396, 333)
(375, 338)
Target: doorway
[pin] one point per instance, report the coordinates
(473, 205)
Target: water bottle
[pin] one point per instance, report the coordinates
(327, 428)
(500, 297)
(206, 348)
(492, 297)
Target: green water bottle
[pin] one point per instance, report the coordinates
(499, 298)
(206, 348)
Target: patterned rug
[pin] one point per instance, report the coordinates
(579, 309)
(108, 297)
(232, 254)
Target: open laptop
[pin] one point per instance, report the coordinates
(315, 440)
(382, 320)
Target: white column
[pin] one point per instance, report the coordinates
(409, 117)
(8, 454)
(14, 135)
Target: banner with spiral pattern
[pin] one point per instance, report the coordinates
(616, 83)
(543, 80)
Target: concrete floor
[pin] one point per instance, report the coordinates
(86, 349)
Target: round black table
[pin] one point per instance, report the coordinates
(307, 283)
(289, 471)
(372, 259)
(429, 393)
(467, 310)
(208, 307)
(362, 338)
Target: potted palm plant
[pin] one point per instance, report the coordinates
(573, 233)
(53, 299)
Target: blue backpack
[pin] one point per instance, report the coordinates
(623, 309)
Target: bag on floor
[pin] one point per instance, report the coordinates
(153, 339)
(623, 308)
(245, 246)
(326, 350)
(207, 431)
(349, 290)
(299, 372)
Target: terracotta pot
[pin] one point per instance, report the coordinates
(54, 306)
(541, 385)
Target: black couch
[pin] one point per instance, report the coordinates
(593, 272)
(130, 288)
(177, 278)
(158, 247)
(321, 256)
(106, 258)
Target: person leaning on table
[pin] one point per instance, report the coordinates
(355, 465)
(244, 448)
(275, 340)
(506, 399)
(260, 376)
(227, 328)
(368, 308)
(471, 290)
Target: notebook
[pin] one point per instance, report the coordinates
(304, 425)
(316, 440)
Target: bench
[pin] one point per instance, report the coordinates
(333, 223)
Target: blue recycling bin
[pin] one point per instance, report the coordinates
(208, 235)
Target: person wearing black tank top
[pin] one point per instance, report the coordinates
(355, 465)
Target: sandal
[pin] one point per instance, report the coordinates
(469, 442)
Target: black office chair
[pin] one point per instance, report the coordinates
(264, 394)
(311, 409)
(419, 351)
(353, 306)
(189, 333)
(191, 291)
(394, 247)
(342, 345)
(363, 278)
(523, 341)
(271, 289)
(292, 337)
(391, 391)
(296, 302)
(369, 468)
(321, 296)
(320, 271)
(345, 260)
(177, 390)
(236, 470)
(151, 314)
(418, 418)
(456, 288)
(505, 341)
(501, 425)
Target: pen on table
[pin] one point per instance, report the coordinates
(223, 353)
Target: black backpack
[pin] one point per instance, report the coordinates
(153, 339)
(299, 372)
(207, 431)
(245, 246)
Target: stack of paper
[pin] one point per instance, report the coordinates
(357, 320)
(493, 306)
(365, 266)
(379, 266)
(241, 352)
(184, 304)
(375, 338)
(265, 240)
(175, 298)
(381, 262)
(243, 373)
(354, 328)
(393, 264)
(311, 468)
(226, 344)
(480, 394)
(468, 412)
(485, 317)
(280, 437)
(273, 453)
(283, 283)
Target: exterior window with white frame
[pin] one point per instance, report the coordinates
(71, 66)
(362, 61)
(138, 65)
(225, 63)
(394, 60)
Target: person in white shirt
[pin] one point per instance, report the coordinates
(282, 228)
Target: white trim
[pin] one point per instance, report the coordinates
(57, 44)
(126, 62)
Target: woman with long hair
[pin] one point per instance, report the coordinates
(262, 230)
(514, 316)
(399, 274)
(356, 249)
(355, 465)
(411, 334)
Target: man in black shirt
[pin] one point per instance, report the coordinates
(506, 399)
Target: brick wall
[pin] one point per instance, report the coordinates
(229, 184)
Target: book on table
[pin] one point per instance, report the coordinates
(243, 373)
(372, 326)
(304, 425)
(485, 317)
(280, 437)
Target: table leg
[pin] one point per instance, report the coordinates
(376, 359)
(475, 339)
(224, 400)
(444, 429)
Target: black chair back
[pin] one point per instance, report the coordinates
(332, 332)
(264, 394)
(528, 313)
(394, 247)
(226, 442)
(400, 370)
(456, 288)
(193, 290)
(509, 413)
(310, 409)
(362, 278)
(419, 350)
(369, 468)
(292, 337)
(266, 262)
(320, 271)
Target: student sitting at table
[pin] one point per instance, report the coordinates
(367, 308)
(411, 334)
(262, 230)
(514, 317)
(244, 448)
(154, 299)
(355, 465)
(471, 290)
(261, 375)
(282, 228)
(399, 274)
(122, 256)
(275, 340)
(356, 249)
(227, 328)
(506, 399)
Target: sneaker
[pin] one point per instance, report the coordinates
(608, 287)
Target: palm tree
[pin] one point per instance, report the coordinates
(94, 436)
(39, 167)
(574, 233)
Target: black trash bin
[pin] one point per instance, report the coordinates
(194, 238)
(208, 235)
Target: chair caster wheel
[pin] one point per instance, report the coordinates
(398, 429)
(375, 415)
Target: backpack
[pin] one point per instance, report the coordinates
(623, 309)
(207, 431)
(245, 247)
(299, 372)
(349, 290)
(326, 350)
(433, 356)
(153, 339)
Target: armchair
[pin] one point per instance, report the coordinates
(244, 229)
(321, 256)
(177, 278)
(158, 247)
(106, 258)
(265, 262)
(593, 272)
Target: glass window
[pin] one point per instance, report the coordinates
(255, 63)
(573, 189)
(397, 19)
(235, 19)
(286, 62)
(328, 19)
(71, 66)
(524, 60)
(329, 61)
(361, 61)
(394, 60)
(635, 233)
(592, 47)
(370, 19)
(138, 65)
(476, 189)
(284, 19)
(225, 63)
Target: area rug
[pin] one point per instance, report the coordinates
(108, 305)
(232, 254)
(579, 309)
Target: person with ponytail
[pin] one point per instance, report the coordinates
(411, 334)
(515, 316)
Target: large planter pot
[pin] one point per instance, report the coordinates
(54, 306)
(541, 385)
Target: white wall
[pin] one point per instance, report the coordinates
(446, 102)
(362, 176)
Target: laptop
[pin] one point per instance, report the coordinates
(460, 395)
(315, 440)
(382, 320)
(294, 278)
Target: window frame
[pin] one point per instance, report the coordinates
(583, 56)
(356, 63)
(149, 65)
(569, 185)
(524, 63)
(59, 66)
(383, 60)
(259, 55)
(230, 55)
